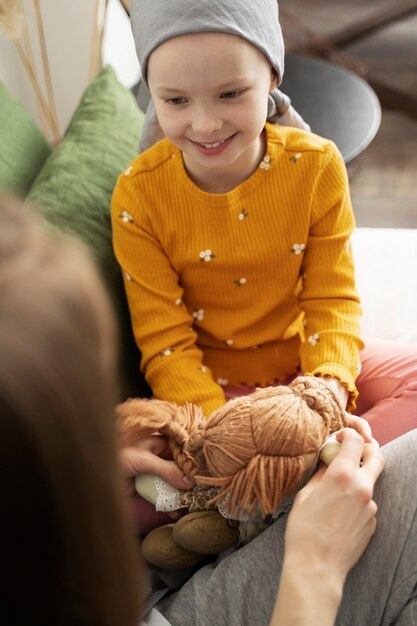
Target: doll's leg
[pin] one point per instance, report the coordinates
(387, 386)
(379, 591)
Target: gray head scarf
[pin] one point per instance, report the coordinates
(257, 21)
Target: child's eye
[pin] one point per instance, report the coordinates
(175, 101)
(231, 95)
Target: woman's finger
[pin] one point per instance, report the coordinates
(372, 461)
(351, 449)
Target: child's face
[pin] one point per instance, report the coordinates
(210, 92)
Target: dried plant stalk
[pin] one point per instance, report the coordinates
(126, 5)
(13, 25)
(28, 51)
(46, 69)
(35, 82)
(12, 18)
(97, 37)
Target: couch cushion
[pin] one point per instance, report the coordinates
(73, 190)
(385, 263)
(23, 148)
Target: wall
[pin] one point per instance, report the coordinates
(68, 30)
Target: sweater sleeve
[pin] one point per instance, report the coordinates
(328, 297)
(171, 361)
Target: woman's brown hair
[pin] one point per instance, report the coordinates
(67, 551)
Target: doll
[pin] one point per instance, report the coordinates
(246, 460)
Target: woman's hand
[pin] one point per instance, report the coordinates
(334, 515)
(329, 527)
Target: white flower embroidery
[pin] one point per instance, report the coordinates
(222, 381)
(126, 217)
(179, 302)
(198, 314)
(167, 351)
(128, 170)
(314, 339)
(295, 157)
(240, 281)
(298, 248)
(229, 342)
(265, 164)
(243, 214)
(206, 255)
(128, 276)
(202, 369)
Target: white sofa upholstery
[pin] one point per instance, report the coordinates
(386, 275)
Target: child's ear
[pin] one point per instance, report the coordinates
(274, 80)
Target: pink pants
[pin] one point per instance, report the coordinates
(387, 386)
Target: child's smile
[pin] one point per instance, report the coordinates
(215, 148)
(210, 92)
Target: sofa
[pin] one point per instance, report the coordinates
(71, 186)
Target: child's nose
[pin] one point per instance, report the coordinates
(205, 122)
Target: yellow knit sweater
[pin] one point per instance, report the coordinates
(245, 286)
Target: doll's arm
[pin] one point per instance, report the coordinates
(166, 498)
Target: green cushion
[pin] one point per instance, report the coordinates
(73, 191)
(23, 148)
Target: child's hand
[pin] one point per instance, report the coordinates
(338, 389)
(362, 427)
(358, 423)
(151, 456)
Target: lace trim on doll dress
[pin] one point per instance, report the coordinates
(168, 497)
(195, 499)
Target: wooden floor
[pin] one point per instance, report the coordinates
(384, 177)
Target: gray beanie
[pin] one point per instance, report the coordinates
(257, 21)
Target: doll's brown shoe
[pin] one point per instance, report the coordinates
(205, 532)
(160, 549)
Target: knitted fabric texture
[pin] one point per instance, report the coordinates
(156, 21)
(252, 449)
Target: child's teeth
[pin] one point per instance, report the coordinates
(213, 145)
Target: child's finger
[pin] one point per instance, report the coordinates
(361, 426)
(136, 461)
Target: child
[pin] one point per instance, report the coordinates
(233, 234)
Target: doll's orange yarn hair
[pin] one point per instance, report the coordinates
(252, 448)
